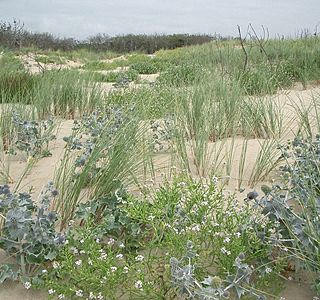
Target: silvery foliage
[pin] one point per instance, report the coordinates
(161, 134)
(114, 219)
(32, 137)
(122, 82)
(27, 231)
(211, 288)
(295, 205)
(87, 132)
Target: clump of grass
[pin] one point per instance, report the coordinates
(152, 66)
(130, 75)
(16, 84)
(102, 65)
(51, 59)
(66, 93)
(185, 74)
(153, 101)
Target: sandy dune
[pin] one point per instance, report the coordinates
(43, 171)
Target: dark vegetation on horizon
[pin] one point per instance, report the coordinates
(14, 36)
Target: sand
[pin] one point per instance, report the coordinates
(34, 67)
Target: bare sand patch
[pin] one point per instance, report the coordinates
(34, 67)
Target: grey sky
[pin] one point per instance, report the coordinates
(82, 18)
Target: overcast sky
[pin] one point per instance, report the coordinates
(83, 18)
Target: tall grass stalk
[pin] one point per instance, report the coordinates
(242, 162)
(267, 160)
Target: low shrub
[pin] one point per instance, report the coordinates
(102, 65)
(184, 74)
(136, 249)
(127, 254)
(152, 66)
(51, 59)
(153, 102)
(130, 75)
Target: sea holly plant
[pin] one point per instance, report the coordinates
(88, 131)
(294, 204)
(161, 134)
(32, 137)
(110, 214)
(184, 279)
(27, 232)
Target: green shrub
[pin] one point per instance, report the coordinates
(131, 253)
(102, 65)
(130, 75)
(51, 59)
(154, 102)
(185, 74)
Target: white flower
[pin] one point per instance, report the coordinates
(268, 270)
(138, 284)
(61, 296)
(51, 291)
(103, 255)
(223, 250)
(44, 271)
(227, 240)
(110, 242)
(74, 250)
(27, 285)
(90, 262)
(92, 296)
(125, 269)
(113, 269)
(100, 297)
(214, 180)
(139, 258)
(237, 234)
(82, 241)
(79, 293)
(78, 262)
(196, 227)
(71, 222)
(82, 252)
(98, 241)
(55, 265)
(119, 256)
(121, 245)
(150, 218)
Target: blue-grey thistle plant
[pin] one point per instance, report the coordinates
(27, 231)
(295, 203)
(210, 288)
(32, 137)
